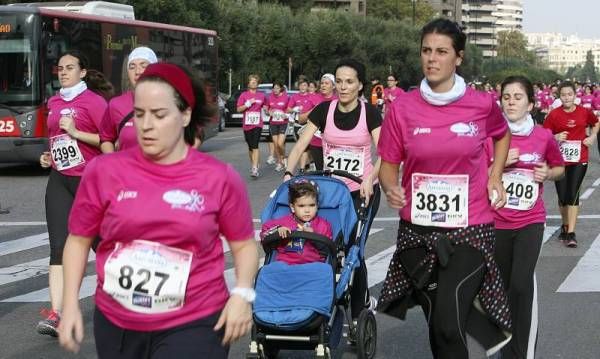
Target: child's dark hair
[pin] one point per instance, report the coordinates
(301, 188)
(203, 111)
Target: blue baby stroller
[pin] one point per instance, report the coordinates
(302, 307)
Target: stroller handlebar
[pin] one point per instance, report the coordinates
(273, 240)
(336, 173)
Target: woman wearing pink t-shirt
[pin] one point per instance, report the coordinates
(74, 120)
(533, 158)
(161, 292)
(251, 103)
(392, 92)
(444, 257)
(117, 130)
(277, 107)
(326, 93)
(349, 128)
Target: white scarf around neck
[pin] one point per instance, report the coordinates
(441, 99)
(69, 93)
(523, 127)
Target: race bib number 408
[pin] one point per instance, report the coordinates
(521, 189)
(440, 200)
(147, 277)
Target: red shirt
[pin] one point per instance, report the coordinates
(575, 123)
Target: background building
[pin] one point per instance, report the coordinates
(561, 52)
(451, 9)
(356, 6)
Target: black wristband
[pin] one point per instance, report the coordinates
(288, 173)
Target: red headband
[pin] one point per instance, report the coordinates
(176, 77)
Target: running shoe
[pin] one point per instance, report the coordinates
(254, 172)
(49, 325)
(279, 167)
(570, 240)
(271, 160)
(563, 233)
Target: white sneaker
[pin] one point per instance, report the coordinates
(254, 172)
(271, 160)
(279, 167)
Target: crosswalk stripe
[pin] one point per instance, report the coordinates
(28, 270)
(549, 232)
(584, 277)
(22, 244)
(88, 288)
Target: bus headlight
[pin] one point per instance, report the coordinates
(23, 124)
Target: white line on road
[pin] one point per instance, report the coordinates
(588, 192)
(88, 288)
(23, 244)
(596, 183)
(548, 232)
(226, 138)
(584, 277)
(28, 270)
(14, 224)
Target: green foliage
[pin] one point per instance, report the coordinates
(500, 68)
(513, 44)
(588, 72)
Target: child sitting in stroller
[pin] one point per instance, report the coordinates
(303, 200)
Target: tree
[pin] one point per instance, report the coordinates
(588, 72)
(513, 44)
(400, 10)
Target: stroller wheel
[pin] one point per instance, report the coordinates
(269, 352)
(366, 338)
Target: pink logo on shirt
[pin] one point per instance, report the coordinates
(178, 199)
(463, 129)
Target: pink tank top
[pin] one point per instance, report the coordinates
(348, 150)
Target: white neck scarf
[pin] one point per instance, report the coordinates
(69, 93)
(523, 127)
(441, 99)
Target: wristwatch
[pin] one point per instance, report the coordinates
(247, 294)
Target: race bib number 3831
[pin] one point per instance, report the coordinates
(440, 200)
(147, 277)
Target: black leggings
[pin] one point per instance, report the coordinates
(196, 339)
(360, 286)
(60, 193)
(568, 187)
(517, 252)
(447, 301)
(316, 153)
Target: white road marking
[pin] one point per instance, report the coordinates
(88, 288)
(23, 244)
(16, 224)
(226, 138)
(588, 192)
(548, 232)
(28, 270)
(596, 183)
(584, 277)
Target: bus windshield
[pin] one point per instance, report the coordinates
(19, 80)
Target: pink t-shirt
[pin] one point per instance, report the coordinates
(297, 252)
(539, 146)
(88, 110)
(185, 205)
(587, 101)
(317, 139)
(279, 104)
(118, 108)
(304, 101)
(252, 115)
(596, 103)
(443, 140)
(392, 94)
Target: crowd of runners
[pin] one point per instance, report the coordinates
(465, 167)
